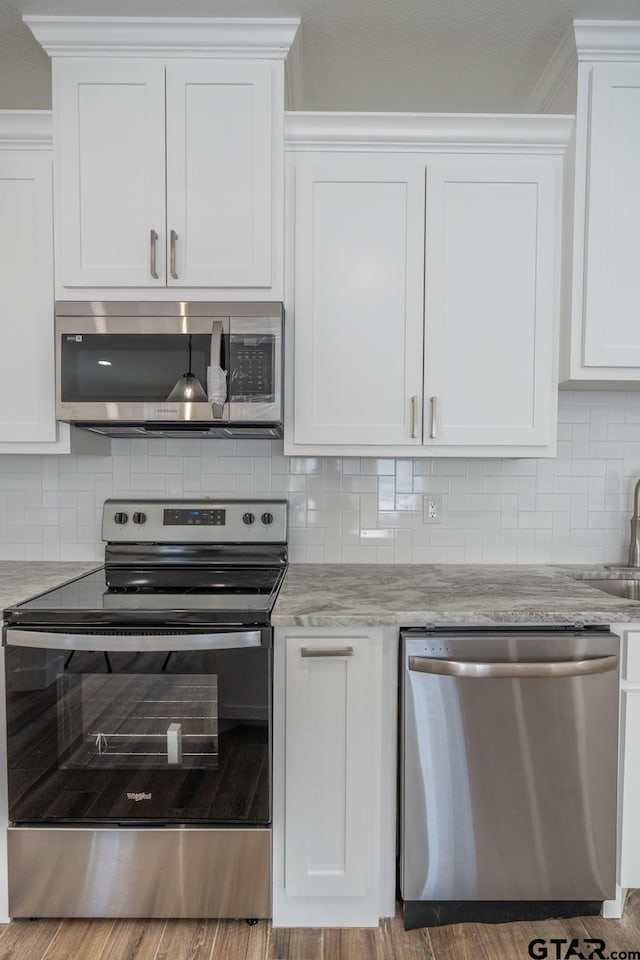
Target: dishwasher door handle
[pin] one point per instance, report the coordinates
(482, 670)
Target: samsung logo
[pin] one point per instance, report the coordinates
(138, 796)
(167, 409)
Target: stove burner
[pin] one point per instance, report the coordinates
(192, 580)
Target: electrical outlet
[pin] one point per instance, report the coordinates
(432, 508)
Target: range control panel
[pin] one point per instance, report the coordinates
(194, 521)
(194, 517)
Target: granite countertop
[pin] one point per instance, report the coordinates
(356, 595)
(21, 579)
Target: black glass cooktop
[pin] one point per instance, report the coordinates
(134, 597)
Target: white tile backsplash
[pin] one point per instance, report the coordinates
(572, 509)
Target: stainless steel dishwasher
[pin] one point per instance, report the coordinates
(508, 766)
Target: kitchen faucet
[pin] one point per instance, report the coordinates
(634, 544)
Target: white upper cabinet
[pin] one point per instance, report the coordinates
(358, 299)
(424, 259)
(27, 391)
(26, 279)
(168, 154)
(490, 301)
(612, 278)
(219, 173)
(601, 289)
(110, 164)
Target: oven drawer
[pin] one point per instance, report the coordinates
(136, 872)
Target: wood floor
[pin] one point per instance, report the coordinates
(236, 940)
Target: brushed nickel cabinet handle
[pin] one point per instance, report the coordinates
(483, 670)
(414, 417)
(326, 652)
(434, 418)
(173, 240)
(153, 243)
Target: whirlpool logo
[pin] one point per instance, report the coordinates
(138, 796)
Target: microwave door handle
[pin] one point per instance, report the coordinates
(216, 361)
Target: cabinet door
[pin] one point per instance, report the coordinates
(328, 764)
(219, 173)
(612, 277)
(630, 840)
(359, 223)
(490, 301)
(27, 395)
(110, 172)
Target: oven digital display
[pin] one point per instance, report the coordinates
(194, 518)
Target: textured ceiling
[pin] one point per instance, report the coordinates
(413, 55)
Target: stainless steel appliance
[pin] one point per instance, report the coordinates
(118, 364)
(139, 719)
(508, 773)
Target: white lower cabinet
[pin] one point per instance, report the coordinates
(629, 782)
(630, 847)
(334, 776)
(628, 769)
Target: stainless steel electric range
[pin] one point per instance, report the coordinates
(139, 719)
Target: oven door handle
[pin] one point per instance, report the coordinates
(136, 643)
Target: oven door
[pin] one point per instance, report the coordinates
(139, 728)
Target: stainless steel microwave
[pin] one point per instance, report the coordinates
(170, 369)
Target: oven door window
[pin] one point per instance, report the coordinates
(172, 737)
(138, 720)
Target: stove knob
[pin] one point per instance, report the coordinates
(121, 517)
(248, 518)
(139, 518)
(267, 518)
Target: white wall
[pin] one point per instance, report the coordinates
(573, 509)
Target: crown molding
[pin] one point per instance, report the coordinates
(268, 39)
(294, 74)
(507, 133)
(25, 129)
(607, 39)
(584, 41)
(558, 71)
